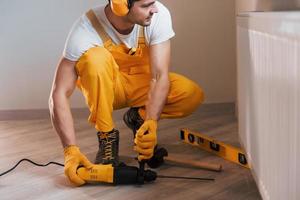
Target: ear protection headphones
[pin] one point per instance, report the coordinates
(120, 7)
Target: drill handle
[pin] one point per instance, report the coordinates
(98, 173)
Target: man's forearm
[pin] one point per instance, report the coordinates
(157, 96)
(62, 120)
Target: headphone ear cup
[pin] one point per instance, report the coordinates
(120, 7)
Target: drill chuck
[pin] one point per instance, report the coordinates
(131, 175)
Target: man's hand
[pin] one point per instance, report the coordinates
(146, 140)
(74, 158)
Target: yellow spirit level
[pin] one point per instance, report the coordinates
(209, 144)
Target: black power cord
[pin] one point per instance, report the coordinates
(28, 160)
(56, 163)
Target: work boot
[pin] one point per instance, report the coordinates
(108, 152)
(133, 120)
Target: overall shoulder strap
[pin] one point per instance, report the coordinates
(141, 32)
(141, 35)
(98, 27)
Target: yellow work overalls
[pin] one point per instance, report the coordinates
(110, 79)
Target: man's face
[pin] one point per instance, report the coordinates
(142, 11)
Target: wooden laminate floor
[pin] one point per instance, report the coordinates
(35, 139)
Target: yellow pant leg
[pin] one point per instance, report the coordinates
(184, 97)
(101, 85)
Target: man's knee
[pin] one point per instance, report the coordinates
(96, 60)
(187, 94)
(193, 96)
(198, 94)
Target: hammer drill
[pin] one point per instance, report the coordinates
(121, 174)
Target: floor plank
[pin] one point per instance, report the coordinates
(35, 139)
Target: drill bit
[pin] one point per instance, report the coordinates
(183, 177)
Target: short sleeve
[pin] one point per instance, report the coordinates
(81, 38)
(161, 29)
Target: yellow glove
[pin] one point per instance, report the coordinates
(74, 158)
(146, 140)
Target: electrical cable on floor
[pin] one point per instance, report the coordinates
(28, 160)
(56, 163)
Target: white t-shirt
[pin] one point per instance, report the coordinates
(83, 36)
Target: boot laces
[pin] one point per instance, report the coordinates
(107, 140)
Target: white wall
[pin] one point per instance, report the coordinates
(32, 36)
(33, 33)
